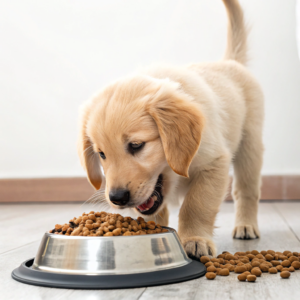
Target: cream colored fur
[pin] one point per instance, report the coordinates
(195, 121)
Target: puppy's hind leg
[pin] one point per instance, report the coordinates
(246, 184)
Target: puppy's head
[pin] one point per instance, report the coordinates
(139, 130)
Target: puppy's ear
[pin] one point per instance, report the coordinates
(180, 123)
(89, 159)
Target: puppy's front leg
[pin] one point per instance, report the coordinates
(199, 209)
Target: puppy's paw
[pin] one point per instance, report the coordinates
(196, 246)
(245, 232)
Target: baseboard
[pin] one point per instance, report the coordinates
(281, 187)
(45, 190)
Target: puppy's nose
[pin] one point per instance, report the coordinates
(119, 196)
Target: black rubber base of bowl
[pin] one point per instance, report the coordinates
(26, 274)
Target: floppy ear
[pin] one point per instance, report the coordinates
(89, 159)
(180, 122)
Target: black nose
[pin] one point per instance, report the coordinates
(119, 196)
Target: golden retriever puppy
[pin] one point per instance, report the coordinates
(168, 132)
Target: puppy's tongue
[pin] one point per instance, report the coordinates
(146, 205)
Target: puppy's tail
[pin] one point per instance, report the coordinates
(237, 32)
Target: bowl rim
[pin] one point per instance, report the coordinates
(61, 236)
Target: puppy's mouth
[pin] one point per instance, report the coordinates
(151, 205)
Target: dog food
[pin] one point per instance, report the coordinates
(285, 274)
(250, 264)
(251, 278)
(210, 275)
(106, 224)
(242, 277)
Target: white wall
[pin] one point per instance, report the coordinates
(55, 54)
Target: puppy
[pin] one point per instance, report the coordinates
(172, 132)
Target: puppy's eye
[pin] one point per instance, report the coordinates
(102, 155)
(135, 147)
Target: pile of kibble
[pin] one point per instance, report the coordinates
(107, 224)
(250, 264)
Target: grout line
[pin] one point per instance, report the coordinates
(141, 294)
(286, 222)
(5, 252)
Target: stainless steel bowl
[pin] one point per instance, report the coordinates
(110, 255)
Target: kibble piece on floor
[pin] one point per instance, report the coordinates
(251, 278)
(240, 269)
(256, 271)
(210, 275)
(254, 252)
(286, 252)
(250, 256)
(208, 264)
(211, 269)
(229, 256)
(271, 252)
(269, 257)
(255, 263)
(205, 259)
(221, 260)
(296, 265)
(293, 258)
(285, 269)
(242, 277)
(285, 274)
(224, 272)
(279, 268)
(264, 267)
(231, 268)
(273, 270)
(286, 263)
(291, 269)
(263, 252)
(275, 263)
(247, 273)
(248, 267)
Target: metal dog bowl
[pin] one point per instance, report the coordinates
(109, 262)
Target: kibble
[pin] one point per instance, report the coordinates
(224, 272)
(242, 277)
(279, 268)
(273, 270)
(250, 264)
(205, 259)
(293, 258)
(285, 274)
(296, 265)
(256, 271)
(107, 224)
(285, 270)
(240, 269)
(286, 263)
(210, 275)
(211, 269)
(251, 278)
